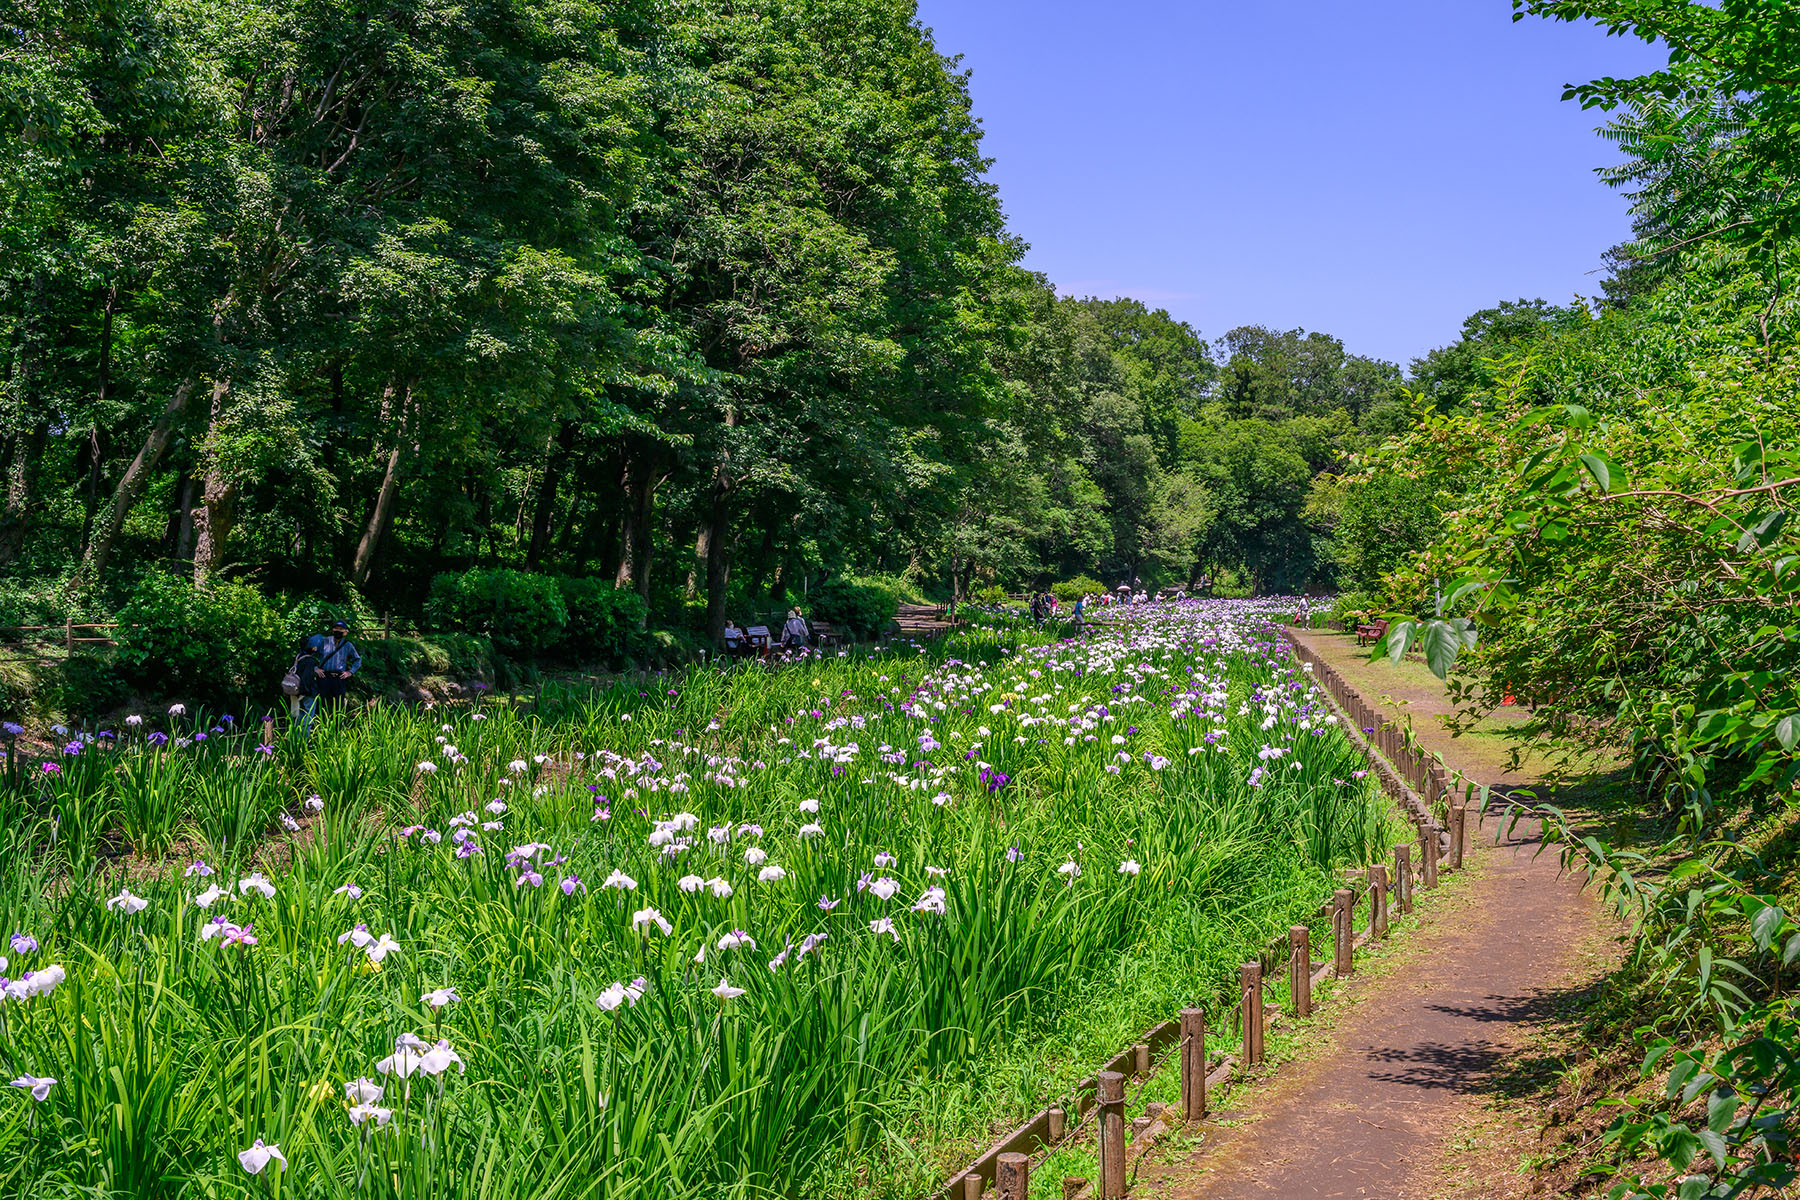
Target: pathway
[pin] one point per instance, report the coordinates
(1417, 1092)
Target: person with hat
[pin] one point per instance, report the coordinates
(338, 660)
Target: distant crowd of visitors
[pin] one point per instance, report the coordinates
(327, 661)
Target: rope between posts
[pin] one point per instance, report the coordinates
(1072, 1128)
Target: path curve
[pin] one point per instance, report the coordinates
(1430, 1045)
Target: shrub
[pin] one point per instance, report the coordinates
(395, 664)
(604, 621)
(216, 643)
(994, 596)
(1357, 604)
(903, 589)
(1070, 590)
(311, 614)
(862, 609)
(91, 683)
(35, 602)
(522, 613)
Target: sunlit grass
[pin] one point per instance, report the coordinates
(869, 1062)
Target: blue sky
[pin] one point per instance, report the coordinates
(1375, 171)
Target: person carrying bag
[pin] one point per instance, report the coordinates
(299, 682)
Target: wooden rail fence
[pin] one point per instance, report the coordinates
(33, 643)
(1421, 786)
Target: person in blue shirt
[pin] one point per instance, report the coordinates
(338, 659)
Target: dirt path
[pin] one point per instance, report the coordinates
(1416, 1092)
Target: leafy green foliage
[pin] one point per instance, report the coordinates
(603, 621)
(1071, 590)
(522, 613)
(218, 643)
(1619, 536)
(863, 609)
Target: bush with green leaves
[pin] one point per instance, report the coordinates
(605, 622)
(861, 608)
(521, 612)
(393, 664)
(1070, 590)
(216, 643)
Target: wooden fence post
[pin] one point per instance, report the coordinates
(1403, 875)
(1073, 1186)
(1428, 870)
(1059, 1124)
(1014, 1176)
(1300, 969)
(1457, 820)
(1251, 973)
(1112, 1136)
(1193, 1064)
(971, 1187)
(1140, 1060)
(1378, 900)
(1343, 904)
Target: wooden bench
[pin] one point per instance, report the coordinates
(1365, 634)
(824, 634)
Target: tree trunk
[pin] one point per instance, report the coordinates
(132, 484)
(91, 505)
(713, 546)
(218, 500)
(21, 489)
(28, 443)
(718, 564)
(94, 447)
(542, 521)
(641, 482)
(184, 521)
(759, 565)
(386, 500)
(702, 549)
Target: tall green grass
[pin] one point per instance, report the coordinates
(865, 1067)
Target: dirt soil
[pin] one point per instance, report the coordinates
(1431, 1070)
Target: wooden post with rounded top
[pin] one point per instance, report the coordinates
(1343, 905)
(1112, 1135)
(1193, 1064)
(1140, 1060)
(1253, 1014)
(1014, 1176)
(1428, 862)
(971, 1187)
(1378, 900)
(1300, 969)
(1403, 875)
(1458, 822)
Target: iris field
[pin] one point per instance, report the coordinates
(810, 931)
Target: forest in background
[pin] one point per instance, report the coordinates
(703, 302)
